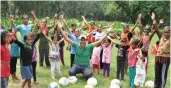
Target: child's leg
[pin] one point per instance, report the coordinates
(146, 67)
(104, 69)
(34, 70)
(13, 63)
(122, 66)
(132, 76)
(57, 64)
(108, 69)
(4, 82)
(52, 67)
(118, 69)
(98, 69)
(93, 67)
(29, 83)
(24, 83)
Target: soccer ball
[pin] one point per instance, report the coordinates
(114, 86)
(53, 85)
(88, 86)
(72, 79)
(149, 84)
(92, 81)
(115, 81)
(63, 81)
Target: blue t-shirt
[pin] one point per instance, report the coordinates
(75, 39)
(14, 51)
(24, 30)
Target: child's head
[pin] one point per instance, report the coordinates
(92, 24)
(54, 39)
(107, 42)
(43, 22)
(100, 27)
(28, 40)
(144, 53)
(5, 37)
(73, 25)
(158, 42)
(125, 28)
(123, 40)
(147, 29)
(77, 32)
(134, 43)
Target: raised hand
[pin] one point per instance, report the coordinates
(11, 18)
(82, 17)
(153, 16)
(139, 15)
(32, 12)
(56, 15)
(161, 21)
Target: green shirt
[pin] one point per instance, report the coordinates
(82, 56)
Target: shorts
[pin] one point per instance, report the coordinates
(26, 72)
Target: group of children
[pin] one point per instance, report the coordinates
(132, 52)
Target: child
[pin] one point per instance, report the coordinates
(107, 56)
(155, 48)
(34, 59)
(5, 59)
(121, 59)
(26, 58)
(55, 54)
(132, 53)
(95, 58)
(140, 69)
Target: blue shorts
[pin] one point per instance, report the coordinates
(26, 72)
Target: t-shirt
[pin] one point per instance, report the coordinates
(82, 56)
(98, 35)
(122, 50)
(14, 51)
(132, 58)
(43, 42)
(107, 54)
(146, 42)
(90, 38)
(5, 62)
(140, 66)
(128, 37)
(24, 30)
(75, 39)
(55, 54)
(97, 51)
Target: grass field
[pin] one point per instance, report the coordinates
(44, 77)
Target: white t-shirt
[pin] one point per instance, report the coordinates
(55, 54)
(98, 35)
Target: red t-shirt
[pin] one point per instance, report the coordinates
(5, 62)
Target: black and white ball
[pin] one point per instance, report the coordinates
(92, 81)
(63, 81)
(115, 81)
(53, 85)
(149, 84)
(72, 79)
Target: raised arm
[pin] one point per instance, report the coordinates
(140, 23)
(155, 26)
(64, 35)
(60, 41)
(84, 20)
(65, 24)
(81, 26)
(34, 20)
(21, 45)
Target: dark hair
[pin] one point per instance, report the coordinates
(3, 35)
(109, 40)
(25, 37)
(157, 42)
(73, 25)
(135, 41)
(52, 37)
(144, 53)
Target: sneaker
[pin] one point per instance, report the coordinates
(53, 77)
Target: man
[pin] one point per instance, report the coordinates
(82, 55)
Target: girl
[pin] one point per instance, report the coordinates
(107, 56)
(155, 48)
(132, 53)
(140, 69)
(5, 59)
(55, 54)
(26, 58)
(95, 58)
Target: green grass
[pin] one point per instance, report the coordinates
(44, 77)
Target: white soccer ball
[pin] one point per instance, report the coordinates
(114, 86)
(53, 85)
(115, 81)
(63, 81)
(88, 86)
(149, 84)
(92, 81)
(72, 79)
